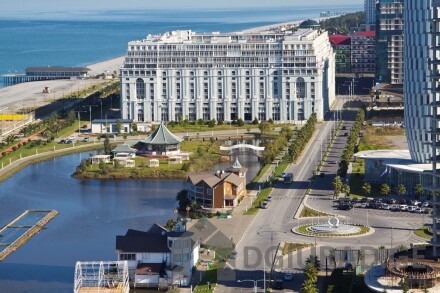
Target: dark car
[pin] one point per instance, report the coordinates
(345, 207)
(62, 141)
(391, 201)
(278, 284)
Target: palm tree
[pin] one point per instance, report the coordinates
(366, 188)
(346, 189)
(401, 189)
(385, 189)
(419, 190)
(309, 287)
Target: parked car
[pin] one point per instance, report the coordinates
(345, 133)
(391, 201)
(69, 141)
(403, 207)
(420, 210)
(395, 207)
(264, 205)
(71, 137)
(411, 209)
(426, 204)
(62, 141)
(363, 205)
(385, 206)
(86, 139)
(283, 175)
(288, 276)
(269, 198)
(345, 207)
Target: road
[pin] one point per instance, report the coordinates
(273, 225)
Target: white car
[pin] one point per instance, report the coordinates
(264, 205)
(426, 204)
(269, 198)
(403, 207)
(411, 209)
(71, 137)
(363, 205)
(385, 206)
(395, 207)
(419, 210)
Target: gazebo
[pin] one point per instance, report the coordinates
(153, 163)
(160, 142)
(124, 150)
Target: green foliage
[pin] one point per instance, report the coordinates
(211, 123)
(419, 190)
(264, 127)
(337, 186)
(255, 122)
(182, 199)
(119, 125)
(349, 149)
(107, 146)
(103, 167)
(240, 122)
(401, 189)
(310, 278)
(303, 137)
(343, 23)
(385, 189)
(366, 189)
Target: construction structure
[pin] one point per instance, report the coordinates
(101, 277)
(21, 229)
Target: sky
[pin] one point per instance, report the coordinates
(15, 7)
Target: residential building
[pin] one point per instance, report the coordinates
(223, 189)
(389, 41)
(283, 76)
(432, 8)
(363, 55)
(370, 11)
(342, 48)
(417, 79)
(159, 256)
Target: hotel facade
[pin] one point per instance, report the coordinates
(283, 76)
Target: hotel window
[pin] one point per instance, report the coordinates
(209, 191)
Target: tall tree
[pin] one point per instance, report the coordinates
(107, 146)
(337, 186)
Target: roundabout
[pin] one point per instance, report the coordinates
(333, 228)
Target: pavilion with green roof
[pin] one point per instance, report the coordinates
(160, 142)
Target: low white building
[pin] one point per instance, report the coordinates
(110, 125)
(159, 256)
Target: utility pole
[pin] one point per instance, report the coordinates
(90, 112)
(79, 120)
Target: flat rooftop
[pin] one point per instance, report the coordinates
(396, 159)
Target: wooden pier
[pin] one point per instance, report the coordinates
(31, 227)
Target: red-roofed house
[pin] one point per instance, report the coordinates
(342, 47)
(363, 53)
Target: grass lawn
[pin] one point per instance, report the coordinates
(373, 137)
(281, 167)
(260, 198)
(423, 232)
(356, 178)
(211, 277)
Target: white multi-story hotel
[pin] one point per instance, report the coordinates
(283, 76)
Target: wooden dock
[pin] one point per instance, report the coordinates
(20, 223)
